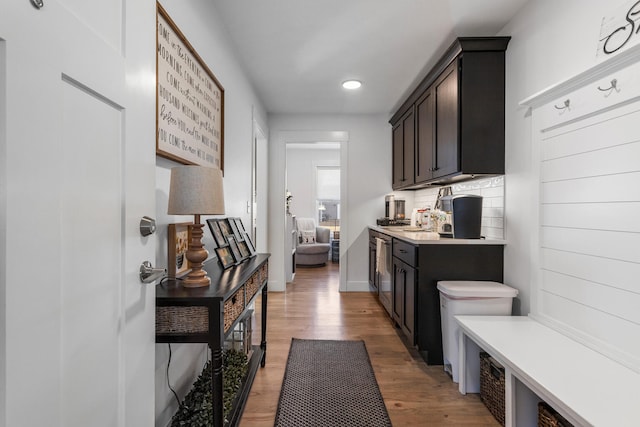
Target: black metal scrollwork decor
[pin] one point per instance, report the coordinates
(631, 17)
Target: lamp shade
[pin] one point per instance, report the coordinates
(196, 190)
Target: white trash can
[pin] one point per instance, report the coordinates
(469, 297)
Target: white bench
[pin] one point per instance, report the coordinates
(584, 386)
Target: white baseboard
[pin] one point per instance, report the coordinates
(358, 286)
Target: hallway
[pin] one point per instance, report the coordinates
(415, 394)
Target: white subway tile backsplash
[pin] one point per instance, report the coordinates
(492, 192)
(497, 202)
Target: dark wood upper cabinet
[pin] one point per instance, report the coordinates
(447, 123)
(425, 148)
(403, 143)
(458, 118)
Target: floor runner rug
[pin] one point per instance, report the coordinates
(330, 383)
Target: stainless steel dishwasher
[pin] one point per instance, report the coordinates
(384, 268)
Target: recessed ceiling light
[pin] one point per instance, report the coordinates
(351, 84)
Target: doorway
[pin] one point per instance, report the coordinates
(278, 239)
(313, 191)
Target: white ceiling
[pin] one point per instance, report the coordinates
(297, 52)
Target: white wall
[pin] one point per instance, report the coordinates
(199, 22)
(301, 177)
(550, 42)
(368, 180)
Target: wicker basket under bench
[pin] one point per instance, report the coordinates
(492, 394)
(209, 314)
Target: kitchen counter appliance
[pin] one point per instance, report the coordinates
(393, 209)
(466, 216)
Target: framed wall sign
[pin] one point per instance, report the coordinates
(189, 101)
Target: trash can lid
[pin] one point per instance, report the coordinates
(476, 288)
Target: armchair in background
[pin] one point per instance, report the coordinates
(312, 243)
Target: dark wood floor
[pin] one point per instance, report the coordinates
(415, 394)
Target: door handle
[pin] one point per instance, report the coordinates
(148, 273)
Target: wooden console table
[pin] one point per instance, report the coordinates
(208, 315)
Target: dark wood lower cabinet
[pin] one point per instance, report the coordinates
(448, 262)
(404, 298)
(417, 269)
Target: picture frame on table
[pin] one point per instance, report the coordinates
(249, 243)
(225, 257)
(225, 228)
(218, 237)
(244, 249)
(233, 222)
(240, 226)
(178, 236)
(233, 244)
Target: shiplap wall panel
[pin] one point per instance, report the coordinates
(601, 133)
(608, 161)
(604, 332)
(607, 299)
(605, 244)
(586, 271)
(623, 216)
(608, 188)
(618, 274)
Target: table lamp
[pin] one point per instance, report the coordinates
(196, 190)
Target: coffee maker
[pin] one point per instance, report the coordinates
(466, 215)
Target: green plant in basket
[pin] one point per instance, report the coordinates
(196, 408)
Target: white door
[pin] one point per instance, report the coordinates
(77, 173)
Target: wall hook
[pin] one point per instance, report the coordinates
(37, 3)
(565, 106)
(614, 86)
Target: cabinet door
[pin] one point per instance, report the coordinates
(404, 298)
(425, 137)
(398, 287)
(403, 143)
(398, 155)
(447, 122)
(408, 319)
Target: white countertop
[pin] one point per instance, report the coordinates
(428, 238)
